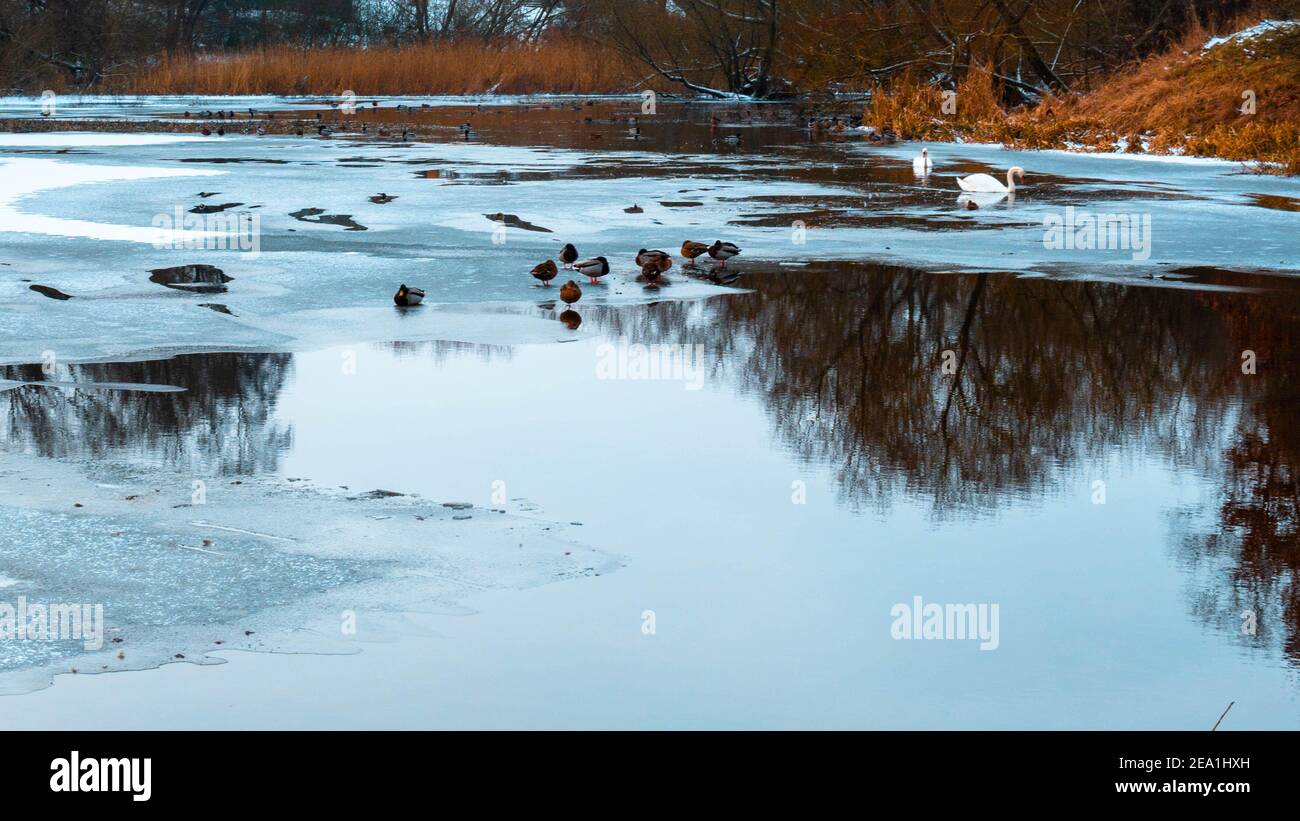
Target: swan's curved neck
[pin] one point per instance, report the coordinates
(1011, 179)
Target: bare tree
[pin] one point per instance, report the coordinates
(703, 44)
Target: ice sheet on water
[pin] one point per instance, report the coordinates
(87, 224)
(261, 564)
(107, 106)
(93, 140)
(438, 234)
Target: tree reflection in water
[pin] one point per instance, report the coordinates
(1047, 373)
(1254, 548)
(222, 424)
(1050, 377)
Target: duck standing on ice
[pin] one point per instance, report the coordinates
(545, 272)
(691, 250)
(643, 256)
(723, 251)
(593, 268)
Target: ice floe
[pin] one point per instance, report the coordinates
(185, 565)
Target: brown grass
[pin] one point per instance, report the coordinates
(914, 109)
(557, 65)
(1184, 100)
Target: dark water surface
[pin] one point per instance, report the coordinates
(1089, 456)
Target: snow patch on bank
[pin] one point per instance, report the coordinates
(1256, 31)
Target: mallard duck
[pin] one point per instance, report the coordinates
(691, 250)
(407, 297)
(593, 268)
(546, 271)
(571, 319)
(643, 256)
(723, 251)
(568, 255)
(570, 292)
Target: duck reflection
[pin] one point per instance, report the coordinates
(571, 319)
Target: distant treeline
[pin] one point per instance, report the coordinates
(762, 48)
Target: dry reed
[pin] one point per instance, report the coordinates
(468, 67)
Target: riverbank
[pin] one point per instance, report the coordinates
(1234, 97)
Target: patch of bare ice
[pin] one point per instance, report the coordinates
(186, 565)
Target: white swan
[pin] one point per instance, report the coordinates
(922, 164)
(983, 183)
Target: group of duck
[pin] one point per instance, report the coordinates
(653, 265)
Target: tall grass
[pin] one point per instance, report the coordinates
(914, 109)
(558, 65)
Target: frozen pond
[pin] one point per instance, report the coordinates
(313, 257)
(896, 397)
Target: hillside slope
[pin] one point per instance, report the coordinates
(1236, 97)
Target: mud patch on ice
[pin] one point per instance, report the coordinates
(52, 293)
(318, 216)
(1275, 202)
(214, 209)
(197, 278)
(514, 221)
